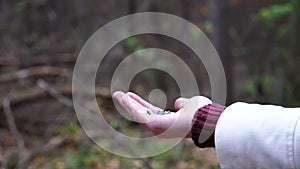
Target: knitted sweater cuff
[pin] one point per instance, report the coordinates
(204, 124)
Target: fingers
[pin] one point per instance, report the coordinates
(136, 110)
(127, 102)
(132, 106)
(143, 102)
(139, 99)
(118, 96)
(179, 103)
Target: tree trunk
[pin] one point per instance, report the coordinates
(220, 16)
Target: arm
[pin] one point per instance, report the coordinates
(246, 135)
(258, 136)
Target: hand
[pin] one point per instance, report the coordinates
(170, 125)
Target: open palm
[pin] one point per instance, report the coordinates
(170, 125)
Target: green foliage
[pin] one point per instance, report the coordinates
(215, 167)
(274, 79)
(276, 17)
(68, 128)
(263, 87)
(114, 123)
(275, 11)
(86, 155)
(133, 44)
(208, 25)
(11, 160)
(178, 155)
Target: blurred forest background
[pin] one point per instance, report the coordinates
(257, 40)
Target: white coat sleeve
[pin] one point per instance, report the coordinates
(250, 136)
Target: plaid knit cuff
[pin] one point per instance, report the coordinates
(204, 124)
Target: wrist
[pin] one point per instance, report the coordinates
(204, 124)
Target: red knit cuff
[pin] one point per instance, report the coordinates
(204, 124)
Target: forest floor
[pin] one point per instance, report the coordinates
(78, 151)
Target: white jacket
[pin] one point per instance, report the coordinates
(250, 136)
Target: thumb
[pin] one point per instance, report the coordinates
(179, 103)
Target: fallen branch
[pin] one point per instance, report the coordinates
(64, 100)
(54, 93)
(37, 93)
(24, 160)
(13, 127)
(41, 59)
(50, 145)
(34, 71)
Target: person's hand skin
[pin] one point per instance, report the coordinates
(137, 108)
